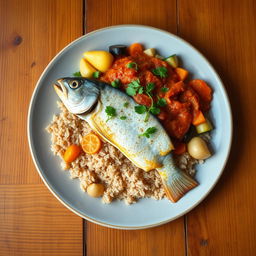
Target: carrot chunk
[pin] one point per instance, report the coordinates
(199, 118)
(135, 48)
(182, 73)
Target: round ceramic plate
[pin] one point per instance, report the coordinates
(146, 212)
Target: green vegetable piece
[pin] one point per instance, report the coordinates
(150, 87)
(161, 102)
(126, 104)
(164, 89)
(172, 61)
(148, 132)
(141, 109)
(131, 91)
(77, 74)
(123, 117)
(116, 83)
(111, 112)
(135, 84)
(96, 74)
(133, 65)
(204, 127)
(141, 90)
(155, 110)
(162, 72)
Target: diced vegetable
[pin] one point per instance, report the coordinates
(135, 48)
(199, 118)
(182, 73)
(204, 127)
(150, 52)
(172, 60)
(71, 153)
(86, 69)
(91, 143)
(159, 56)
(100, 60)
(180, 148)
(204, 91)
(95, 190)
(118, 50)
(198, 149)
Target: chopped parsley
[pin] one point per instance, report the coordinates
(133, 65)
(96, 74)
(141, 109)
(116, 83)
(155, 110)
(126, 104)
(164, 89)
(162, 72)
(149, 132)
(111, 112)
(161, 102)
(133, 87)
(123, 117)
(77, 74)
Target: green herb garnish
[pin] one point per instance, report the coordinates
(148, 132)
(77, 74)
(164, 89)
(155, 110)
(116, 83)
(96, 74)
(126, 104)
(123, 117)
(111, 112)
(133, 65)
(141, 90)
(141, 109)
(162, 72)
(150, 87)
(161, 102)
(133, 87)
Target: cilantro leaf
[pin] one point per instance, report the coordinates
(77, 74)
(131, 91)
(141, 90)
(164, 89)
(141, 109)
(162, 72)
(150, 87)
(149, 131)
(133, 65)
(135, 84)
(123, 117)
(116, 83)
(111, 112)
(161, 102)
(126, 104)
(96, 74)
(155, 110)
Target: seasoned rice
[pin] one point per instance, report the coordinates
(121, 178)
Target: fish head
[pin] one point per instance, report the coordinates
(79, 95)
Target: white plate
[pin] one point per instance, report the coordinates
(147, 212)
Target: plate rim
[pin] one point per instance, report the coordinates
(32, 100)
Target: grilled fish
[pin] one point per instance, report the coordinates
(88, 100)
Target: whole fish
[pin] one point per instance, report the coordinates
(89, 99)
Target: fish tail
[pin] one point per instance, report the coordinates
(176, 182)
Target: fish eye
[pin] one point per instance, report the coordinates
(74, 84)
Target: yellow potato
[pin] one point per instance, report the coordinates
(95, 190)
(86, 69)
(100, 60)
(198, 149)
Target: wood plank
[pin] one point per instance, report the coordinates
(167, 239)
(225, 32)
(31, 33)
(164, 240)
(33, 223)
(103, 13)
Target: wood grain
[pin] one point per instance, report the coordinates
(33, 223)
(31, 33)
(168, 239)
(225, 32)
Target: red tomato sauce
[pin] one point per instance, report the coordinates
(183, 103)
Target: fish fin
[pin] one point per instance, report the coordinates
(177, 185)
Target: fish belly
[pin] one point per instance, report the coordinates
(146, 153)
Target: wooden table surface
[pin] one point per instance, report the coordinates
(32, 220)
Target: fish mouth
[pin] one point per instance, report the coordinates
(60, 89)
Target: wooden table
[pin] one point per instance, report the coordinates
(32, 221)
